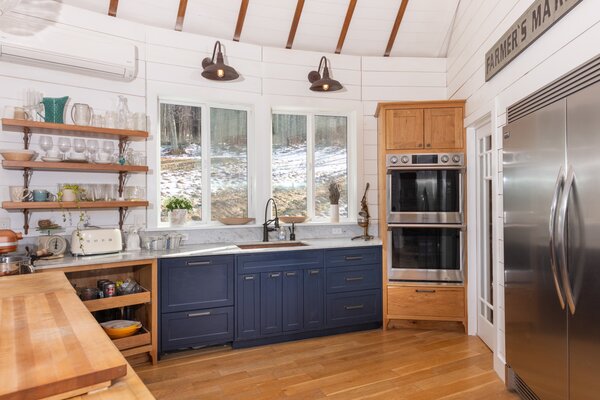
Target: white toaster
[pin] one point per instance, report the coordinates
(86, 242)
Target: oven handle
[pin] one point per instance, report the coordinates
(389, 169)
(460, 196)
(388, 190)
(449, 226)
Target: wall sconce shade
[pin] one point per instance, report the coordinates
(325, 83)
(218, 71)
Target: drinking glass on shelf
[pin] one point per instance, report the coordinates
(99, 192)
(79, 145)
(46, 143)
(108, 147)
(98, 121)
(92, 148)
(64, 145)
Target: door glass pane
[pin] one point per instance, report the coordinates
(426, 248)
(229, 163)
(289, 163)
(331, 162)
(180, 155)
(430, 191)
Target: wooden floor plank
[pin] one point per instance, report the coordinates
(399, 364)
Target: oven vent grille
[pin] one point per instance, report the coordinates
(572, 82)
(523, 390)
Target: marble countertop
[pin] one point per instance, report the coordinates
(209, 249)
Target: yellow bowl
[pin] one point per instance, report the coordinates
(120, 328)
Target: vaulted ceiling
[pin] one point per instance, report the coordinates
(409, 28)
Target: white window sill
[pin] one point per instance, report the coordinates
(217, 225)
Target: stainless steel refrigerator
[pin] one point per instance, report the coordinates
(551, 168)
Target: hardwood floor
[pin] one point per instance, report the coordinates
(397, 364)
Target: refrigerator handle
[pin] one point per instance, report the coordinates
(552, 229)
(561, 237)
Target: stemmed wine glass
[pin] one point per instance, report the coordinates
(79, 147)
(64, 145)
(46, 143)
(92, 147)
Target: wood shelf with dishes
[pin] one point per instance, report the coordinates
(145, 340)
(28, 128)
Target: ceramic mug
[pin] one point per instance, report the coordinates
(9, 112)
(20, 113)
(19, 193)
(43, 195)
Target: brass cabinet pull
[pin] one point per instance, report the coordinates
(357, 307)
(354, 278)
(199, 314)
(424, 291)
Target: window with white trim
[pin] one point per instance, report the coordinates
(204, 157)
(309, 151)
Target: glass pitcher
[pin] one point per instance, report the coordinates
(122, 112)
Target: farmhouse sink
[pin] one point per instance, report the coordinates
(270, 245)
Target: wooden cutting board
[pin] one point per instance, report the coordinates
(49, 342)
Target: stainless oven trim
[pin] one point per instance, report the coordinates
(424, 168)
(427, 275)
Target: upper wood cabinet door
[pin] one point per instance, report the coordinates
(404, 129)
(444, 128)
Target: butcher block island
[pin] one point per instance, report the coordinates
(52, 347)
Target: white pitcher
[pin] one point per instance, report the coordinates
(81, 114)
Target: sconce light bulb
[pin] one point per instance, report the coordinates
(220, 73)
(326, 87)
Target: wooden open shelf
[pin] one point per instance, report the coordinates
(69, 166)
(117, 301)
(47, 128)
(141, 338)
(54, 205)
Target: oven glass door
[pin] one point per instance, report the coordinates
(425, 196)
(426, 254)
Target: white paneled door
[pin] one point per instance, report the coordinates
(485, 272)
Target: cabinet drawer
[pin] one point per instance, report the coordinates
(443, 303)
(279, 261)
(359, 277)
(353, 256)
(196, 282)
(196, 328)
(353, 308)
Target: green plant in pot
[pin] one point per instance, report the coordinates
(178, 207)
(72, 193)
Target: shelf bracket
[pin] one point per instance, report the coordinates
(26, 218)
(27, 172)
(26, 137)
(122, 180)
(122, 215)
(123, 142)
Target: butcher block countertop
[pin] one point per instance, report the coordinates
(52, 347)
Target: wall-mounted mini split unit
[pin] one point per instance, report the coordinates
(72, 51)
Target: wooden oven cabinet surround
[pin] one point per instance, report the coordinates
(431, 126)
(419, 127)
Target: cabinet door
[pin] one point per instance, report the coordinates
(292, 300)
(196, 328)
(270, 302)
(444, 128)
(191, 283)
(404, 129)
(247, 306)
(314, 298)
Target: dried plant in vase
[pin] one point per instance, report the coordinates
(334, 201)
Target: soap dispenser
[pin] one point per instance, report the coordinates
(281, 234)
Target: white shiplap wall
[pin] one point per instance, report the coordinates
(170, 67)
(569, 43)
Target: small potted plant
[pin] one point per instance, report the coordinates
(70, 192)
(178, 207)
(334, 201)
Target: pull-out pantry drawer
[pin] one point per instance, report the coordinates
(444, 303)
(196, 328)
(353, 308)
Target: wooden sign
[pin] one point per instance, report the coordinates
(538, 18)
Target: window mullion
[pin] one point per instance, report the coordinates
(206, 206)
(310, 165)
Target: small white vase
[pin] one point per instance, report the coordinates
(334, 213)
(178, 216)
(68, 195)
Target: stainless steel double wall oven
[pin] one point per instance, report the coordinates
(425, 217)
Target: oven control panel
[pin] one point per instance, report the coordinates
(424, 160)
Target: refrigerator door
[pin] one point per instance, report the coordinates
(536, 320)
(583, 143)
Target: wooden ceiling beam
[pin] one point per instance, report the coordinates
(181, 15)
(349, 13)
(295, 21)
(240, 20)
(395, 28)
(112, 8)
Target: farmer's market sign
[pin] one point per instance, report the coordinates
(538, 18)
